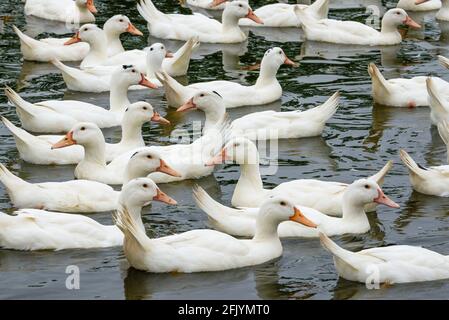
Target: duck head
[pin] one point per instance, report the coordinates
(241, 9)
(206, 101)
(277, 57)
(146, 161)
(238, 150)
(142, 191)
(142, 112)
(86, 4)
(128, 75)
(278, 209)
(396, 17)
(83, 133)
(366, 191)
(89, 33)
(119, 24)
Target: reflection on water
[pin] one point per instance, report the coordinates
(356, 143)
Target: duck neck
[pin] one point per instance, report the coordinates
(267, 73)
(154, 64)
(84, 13)
(132, 131)
(230, 23)
(266, 228)
(250, 179)
(113, 40)
(94, 153)
(213, 117)
(353, 212)
(135, 212)
(118, 98)
(388, 27)
(98, 52)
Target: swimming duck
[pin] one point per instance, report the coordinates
(281, 14)
(69, 11)
(266, 124)
(355, 33)
(267, 88)
(242, 222)
(419, 5)
(45, 50)
(55, 116)
(392, 264)
(324, 196)
(438, 103)
(37, 149)
(401, 92)
(183, 27)
(80, 195)
(31, 229)
(208, 250)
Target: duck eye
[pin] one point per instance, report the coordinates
(240, 6)
(145, 108)
(145, 185)
(162, 48)
(133, 71)
(149, 157)
(236, 144)
(85, 29)
(151, 49)
(126, 110)
(366, 186)
(83, 128)
(202, 95)
(282, 203)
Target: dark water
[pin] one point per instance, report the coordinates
(357, 141)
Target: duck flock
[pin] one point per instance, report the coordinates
(51, 215)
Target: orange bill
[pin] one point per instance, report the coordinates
(64, 142)
(157, 118)
(165, 168)
(383, 199)
(218, 159)
(168, 54)
(162, 197)
(410, 22)
(300, 218)
(147, 83)
(90, 6)
(216, 3)
(252, 16)
(189, 105)
(133, 30)
(76, 38)
(289, 62)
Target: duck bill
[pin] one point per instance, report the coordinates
(383, 199)
(216, 3)
(133, 30)
(300, 218)
(189, 105)
(165, 168)
(289, 62)
(162, 197)
(252, 16)
(218, 159)
(147, 83)
(91, 7)
(157, 118)
(64, 142)
(417, 2)
(75, 39)
(168, 54)
(410, 22)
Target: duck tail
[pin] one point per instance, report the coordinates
(214, 210)
(26, 40)
(304, 18)
(412, 166)
(444, 61)
(319, 9)
(68, 73)
(443, 130)
(436, 103)
(380, 176)
(328, 108)
(21, 136)
(173, 89)
(378, 80)
(340, 254)
(11, 181)
(133, 233)
(181, 59)
(23, 108)
(148, 10)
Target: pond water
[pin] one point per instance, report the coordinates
(356, 142)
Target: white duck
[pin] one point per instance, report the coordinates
(37, 149)
(267, 88)
(392, 264)
(69, 11)
(400, 92)
(355, 33)
(183, 27)
(45, 50)
(242, 222)
(208, 250)
(187, 159)
(281, 14)
(419, 5)
(99, 78)
(266, 124)
(438, 103)
(31, 229)
(431, 180)
(55, 116)
(324, 196)
(79, 195)
(443, 13)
